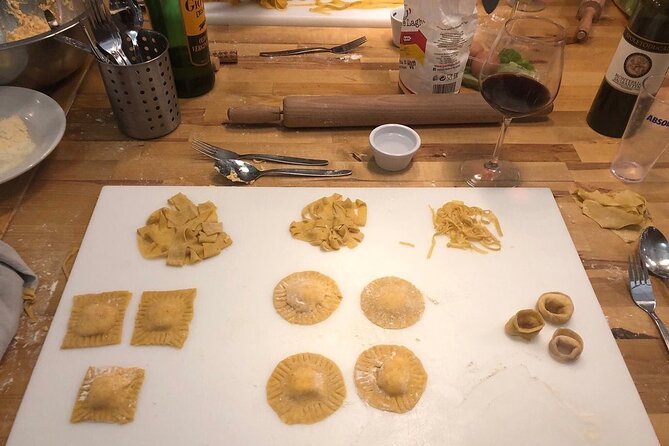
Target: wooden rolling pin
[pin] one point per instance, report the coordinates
(364, 111)
(589, 11)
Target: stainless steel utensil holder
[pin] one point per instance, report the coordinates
(143, 96)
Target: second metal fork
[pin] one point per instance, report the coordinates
(642, 293)
(339, 49)
(219, 153)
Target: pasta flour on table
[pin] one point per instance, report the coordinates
(434, 44)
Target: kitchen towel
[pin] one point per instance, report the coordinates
(14, 277)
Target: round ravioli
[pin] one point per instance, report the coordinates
(305, 388)
(390, 377)
(306, 297)
(391, 302)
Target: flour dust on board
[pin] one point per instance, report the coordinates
(434, 44)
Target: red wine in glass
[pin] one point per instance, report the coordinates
(514, 94)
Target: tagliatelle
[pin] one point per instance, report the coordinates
(324, 7)
(331, 222)
(465, 226)
(337, 5)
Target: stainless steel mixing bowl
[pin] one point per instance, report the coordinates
(41, 61)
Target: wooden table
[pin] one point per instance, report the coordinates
(44, 213)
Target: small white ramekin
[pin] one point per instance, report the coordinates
(396, 17)
(393, 146)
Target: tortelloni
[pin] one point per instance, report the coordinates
(525, 324)
(555, 307)
(566, 345)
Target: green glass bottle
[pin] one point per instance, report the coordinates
(184, 24)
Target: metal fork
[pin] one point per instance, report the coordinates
(219, 153)
(339, 49)
(642, 293)
(106, 33)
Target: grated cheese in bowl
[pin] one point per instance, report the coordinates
(15, 142)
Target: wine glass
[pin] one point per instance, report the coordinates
(520, 76)
(527, 5)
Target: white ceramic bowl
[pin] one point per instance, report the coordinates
(393, 146)
(396, 17)
(44, 119)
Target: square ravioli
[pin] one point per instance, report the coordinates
(164, 318)
(96, 319)
(108, 395)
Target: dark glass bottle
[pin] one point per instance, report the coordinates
(184, 24)
(643, 51)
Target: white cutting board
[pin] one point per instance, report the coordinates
(484, 387)
(249, 12)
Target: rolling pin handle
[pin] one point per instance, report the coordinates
(585, 24)
(254, 114)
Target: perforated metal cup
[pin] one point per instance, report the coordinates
(143, 96)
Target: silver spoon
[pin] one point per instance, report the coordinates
(129, 15)
(654, 251)
(242, 172)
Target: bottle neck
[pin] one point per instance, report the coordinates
(650, 19)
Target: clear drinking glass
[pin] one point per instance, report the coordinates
(646, 136)
(521, 76)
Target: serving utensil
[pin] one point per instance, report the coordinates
(642, 293)
(219, 153)
(53, 23)
(339, 49)
(105, 32)
(654, 251)
(243, 172)
(130, 16)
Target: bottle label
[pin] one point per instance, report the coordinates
(195, 26)
(635, 59)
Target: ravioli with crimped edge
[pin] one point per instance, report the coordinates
(392, 302)
(164, 318)
(96, 319)
(305, 388)
(306, 297)
(108, 394)
(390, 378)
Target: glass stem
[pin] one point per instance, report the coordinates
(493, 163)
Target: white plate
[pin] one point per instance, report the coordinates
(43, 117)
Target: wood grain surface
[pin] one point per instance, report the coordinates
(44, 213)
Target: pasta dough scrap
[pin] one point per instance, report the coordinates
(164, 317)
(306, 297)
(108, 394)
(465, 227)
(390, 378)
(624, 212)
(96, 319)
(184, 233)
(331, 222)
(305, 388)
(391, 302)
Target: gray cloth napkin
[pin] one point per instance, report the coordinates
(14, 276)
